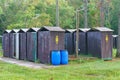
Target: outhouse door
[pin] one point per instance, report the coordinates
(107, 46)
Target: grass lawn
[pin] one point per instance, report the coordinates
(76, 70)
(81, 69)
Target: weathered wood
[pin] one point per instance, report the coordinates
(82, 46)
(69, 44)
(6, 50)
(23, 46)
(12, 46)
(16, 43)
(49, 38)
(100, 43)
(82, 42)
(31, 46)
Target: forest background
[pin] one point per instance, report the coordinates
(37, 13)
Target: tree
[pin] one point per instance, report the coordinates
(32, 13)
(85, 14)
(57, 13)
(107, 11)
(93, 13)
(102, 13)
(114, 12)
(118, 45)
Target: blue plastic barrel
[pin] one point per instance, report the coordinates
(55, 57)
(64, 56)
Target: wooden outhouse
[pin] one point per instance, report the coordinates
(22, 44)
(115, 41)
(69, 40)
(100, 42)
(49, 38)
(82, 40)
(14, 44)
(5, 43)
(32, 44)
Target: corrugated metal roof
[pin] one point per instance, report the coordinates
(52, 29)
(25, 30)
(7, 31)
(16, 30)
(33, 29)
(102, 29)
(84, 29)
(70, 30)
(115, 35)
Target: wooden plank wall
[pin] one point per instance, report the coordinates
(32, 46)
(23, 46)
(6, 45)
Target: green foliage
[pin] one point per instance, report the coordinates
(93, 13)
(1, 11)
(41, 20)
(115, 10)
(32, 13)
(75, 3)
(114, 52)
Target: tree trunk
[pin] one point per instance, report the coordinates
(77, 32)
(57, 13)
(118, 43)
(85, 14)
(102, 13)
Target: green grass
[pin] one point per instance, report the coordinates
(1, 52)
(114, 51)
(79, 70)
